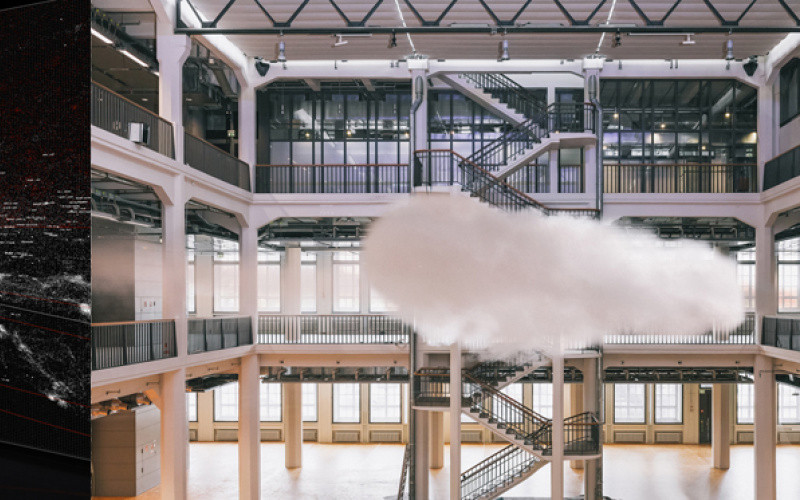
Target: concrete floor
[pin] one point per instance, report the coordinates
(372, 472)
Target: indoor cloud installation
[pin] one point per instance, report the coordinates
(507, 282)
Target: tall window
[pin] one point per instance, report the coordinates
(308, 282)
(543, 399)
(744, 403)
(385, 403)
(629, 403)
(790, 90)
(669, 403)
(226, 276)
(269, 282)
(346, 278)
(788, 404)
(270, 402)
(346, 403)
(191, 406)
(788, 275)
(379, 304)
(309, 402)
(226, 402)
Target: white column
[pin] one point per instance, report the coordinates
(765, 403)
(437, 439)
(293, 424)
(173, 233)
(174, 435)
(419, 126)
(421, 454)
(766, 277)
(767, 138)
(204, 285)
(291, 281)
(557, 458)
(721, 425)
(172, 53)
(455, 421)
(591, 403)
(249, 428)
(552, 166)
(247, 130)
(248, 277)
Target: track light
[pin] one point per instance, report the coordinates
(504, 54)
(751, 66)
(282, 52)
(262, 66)
(688, 40)
(617, 39)
(341, 41)
(393, 40)
(729, 50)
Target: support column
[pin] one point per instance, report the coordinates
(765, 402)
(204, 286)
(419, 122)
(552, 172)
(557, 458)
(293, 424)
(248, 277)
(172, 53)
(437, 439)
(249, 428)
(173, 232)
(174, 435)
(766, 277)
(767, 138)
(290, 296)
(247, 130)
(721, 425)
(455, 421)
(421, 454)
(591, 403)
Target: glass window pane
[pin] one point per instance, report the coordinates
(309, 402)
(744, 403)
(543, 399)
(629, 401)
(346, 403)
(226, 402)
(270, 402)
(668, 403)
(385, 403)
(191, 406)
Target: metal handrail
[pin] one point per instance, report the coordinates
(507, 91)
(680, 178)
(332, 329)
(208, 158)
(784, 167)
(743, 334)
(127, 343)
(333, 178)
(404, 474)
(783, 333)
(506, 464)
(213, 334)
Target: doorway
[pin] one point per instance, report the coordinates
(705, 415)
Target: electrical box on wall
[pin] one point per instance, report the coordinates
(139, 133)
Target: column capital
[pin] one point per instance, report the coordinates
(173, 49)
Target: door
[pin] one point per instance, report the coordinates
(705, 415)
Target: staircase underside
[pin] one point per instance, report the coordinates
(552, 143)
(482, 98)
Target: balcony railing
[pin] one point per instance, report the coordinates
(121, 344)
(782, 168)
(743, 334)
(209, 159)
(683, 178)
(213, 334)
(113, 113)
(332, 329)
(783, 333)
(314, 179)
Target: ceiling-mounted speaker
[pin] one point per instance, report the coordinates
(262, 67)
(750, 66)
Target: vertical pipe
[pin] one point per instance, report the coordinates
(594, 90)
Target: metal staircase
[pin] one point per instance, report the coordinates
(501, 374)
(499, 473)
(497, 93)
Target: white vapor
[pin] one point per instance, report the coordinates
(461, 270)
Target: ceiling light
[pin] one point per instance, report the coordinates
(101, 37)
(729, 50)
(134, 59)
(504, 54)
(282, 52)
(688, 40)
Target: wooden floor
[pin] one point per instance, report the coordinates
(370, 472)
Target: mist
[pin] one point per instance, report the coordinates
(460, 270)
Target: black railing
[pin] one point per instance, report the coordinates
(518, 420)
(211, 160)
(401, 490)
(782, 168)
(508, 92)
(679, 178)
(446, 167)
(783, 333)
(496, 471)
(581, 435)
(213, 334)
(113, 113)
(332, 329)
(121, 344)
(379, 178)
(743, 334)
(432, 387)
(571, 117)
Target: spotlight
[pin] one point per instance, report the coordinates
(750, 66)
(689, 40)
(393, 40)
(617, 39)
(282, 52)
(504, 54)
(729, 50)
(262, 66)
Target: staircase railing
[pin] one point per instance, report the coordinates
(507, 413)
(446, 167)
(401, 490)
(498, 371)
(509, 92)
(495, 470)
(581, 435)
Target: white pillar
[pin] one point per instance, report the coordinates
(455, 421)
(173, 234)
(248, 277)
(765, 402)
(172, 53)
(421, 454)
(591, 403)
(204, 285)
(721, 425)
(247, 130)
(766, 291)
(293, 424)
(249, 428)
(557, 446)
(291, 281)
(767, 146)
(552, 166)
(437, 439)
(174, 435)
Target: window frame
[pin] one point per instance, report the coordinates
(303, 386)
(751, 407)
(643, 406)
(358, 403)
(679, 401)
(264, 398)
(399, 401)
(215, 393)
